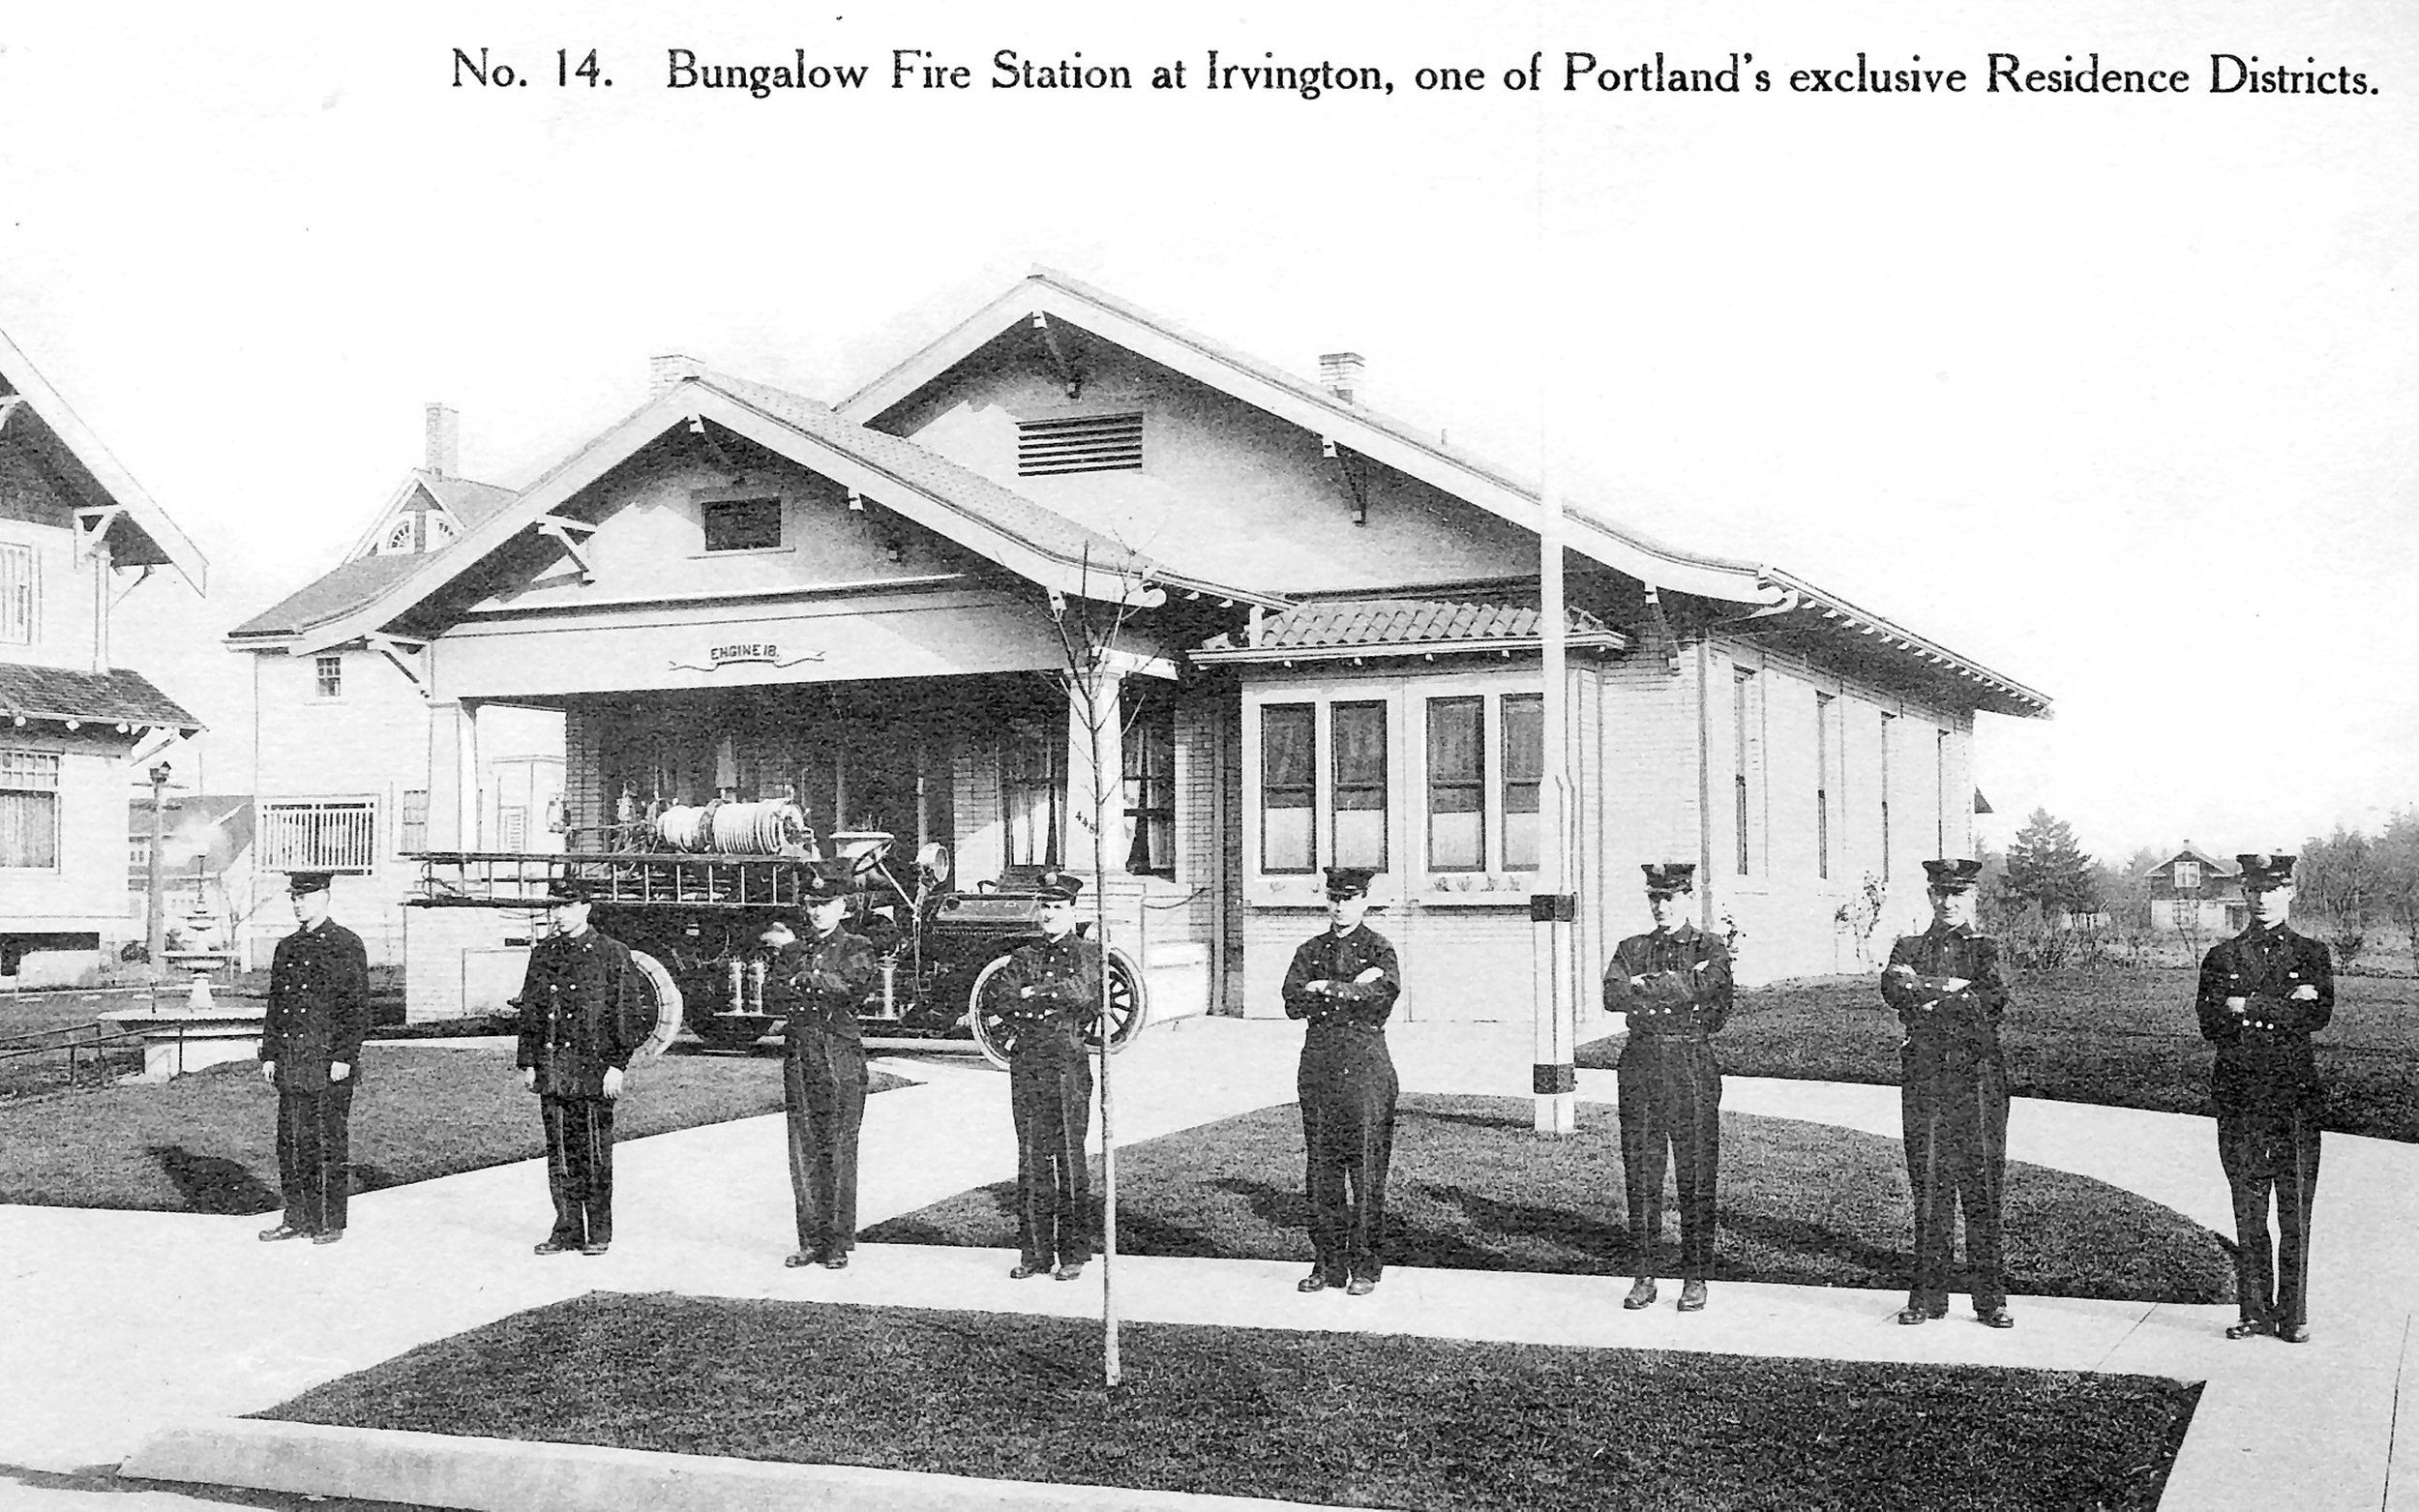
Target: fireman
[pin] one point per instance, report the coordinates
(1048, 992)
(311, 1053)
(1344, 980)
(817, 984)
(583, 1014)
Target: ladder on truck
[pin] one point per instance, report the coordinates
(509, 880)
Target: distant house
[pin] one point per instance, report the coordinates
(341, 755)
(205, 860)
(2194, 893)
(78, 533)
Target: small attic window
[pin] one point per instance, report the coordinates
(742, 524)
(1079, 443)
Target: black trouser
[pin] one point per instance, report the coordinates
(823, 1083)
(1049, 1099)
(1671, 1097)
(579, 1166)
(314, 1155)
(1956, 1105)
(1347, 1087)
(2263, 1150)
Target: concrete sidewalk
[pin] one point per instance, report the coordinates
(195, 1319)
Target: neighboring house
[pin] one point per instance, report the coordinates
(342, 747)
(76, 534)
(205, 862)
(1331, 655)
(2194, 893)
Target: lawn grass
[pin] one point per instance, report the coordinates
(1802, 1204)
(207, 1142)
(2121, 1039)
(1367, 1420)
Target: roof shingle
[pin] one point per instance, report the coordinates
(118, 696)
(1359, 624)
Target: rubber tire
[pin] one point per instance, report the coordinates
(669, 1008)
(1125, 987)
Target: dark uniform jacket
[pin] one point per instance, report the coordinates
(1064, 974)
(818, 983)
(1348, 1011)
(582, 1009)
(318, 1007)
(1679, 999)
(2264, 1057)
(1960, 1025)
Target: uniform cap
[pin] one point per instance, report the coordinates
(1349, 882)
(2263, 869)
(1953, 876)
(569, 889)
(1669, 878)
(298, 883)
(826, 880)
(1058, 886)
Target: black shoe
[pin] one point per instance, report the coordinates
(1922, 1313)
(282, 1232)
(799, 1262)
(1068, 1270)
(1641, 1294)
(2294, 1333)
(1994, 1318)
(836, 1260)
(596, 1246)
(1692, 1297)
(1026, 1269)
(1316, 1280)
(1360, 1285)
(2250, 1328)
(327, 1236)
(553, 1246)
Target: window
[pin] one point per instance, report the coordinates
(512, 827)
(1888, 725)
(742, 524)
(1360, 820)
(440, 532)
(411, 833)
(29, 809)
(1457, 785)
(403, 538)
(1524, 774)
(320, 835)
(1822, 783)
(1289, 828)
(2187, 877)
(1031, 787)
(1742, 684)
(327, 676)
(18, 602)
(1150, 792)
(1079, 443)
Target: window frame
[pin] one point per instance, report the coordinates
(29, 773)
(709, 510)
(1147, 713)
(327, 677)
(1473, 783)
(26, 596)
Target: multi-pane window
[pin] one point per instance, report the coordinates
(320, 835)
(1033, 786)
(327, 676)
(411, 833)
(1822, 783)
(1889, 726)
(19, 604)
(1457, 785)
(742, 524)
(1524, 776)
(1149, 788)
(1359, 785)
(2187, 877)
(29, 809)
(1289, 754)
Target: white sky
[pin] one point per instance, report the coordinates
(2115, 395)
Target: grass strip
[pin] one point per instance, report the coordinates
(207, 1142)
(2118, 1039)
(1473, 1189)
(1367, 1420)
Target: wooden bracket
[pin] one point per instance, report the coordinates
(92, 527)
(573, 535)
(402, 651)
(1061, 361)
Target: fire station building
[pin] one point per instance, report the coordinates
(1322, 628)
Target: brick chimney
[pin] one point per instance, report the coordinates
(443, 448)
(1344, 374)
(668, 368)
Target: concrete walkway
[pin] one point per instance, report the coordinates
(122, 1324)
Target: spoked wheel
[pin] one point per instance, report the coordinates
(1128, 1009)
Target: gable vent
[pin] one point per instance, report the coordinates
(1082, 443)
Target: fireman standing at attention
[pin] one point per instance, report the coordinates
(815, 985)
(2262, 994)
(583, 1014)
(1948, 989)
(311, 1053)
(1344, 981)
(1049, 993)
(1675, 986)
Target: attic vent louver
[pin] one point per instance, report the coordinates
(1081, 443)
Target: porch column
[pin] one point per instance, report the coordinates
(1102, 750)
(454, 776)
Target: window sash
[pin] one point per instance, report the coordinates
(1032, 790)
(1289, 827)
(411, 829)
(741, 524)
(327, 674)
(1458, 783)
(1524, 775)
(29, 809)
(1149, 788)
(1358, 775)
(18, 601)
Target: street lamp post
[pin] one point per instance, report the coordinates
(156, 936)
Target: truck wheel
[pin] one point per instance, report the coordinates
(1128, 1009)
(666, 995)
